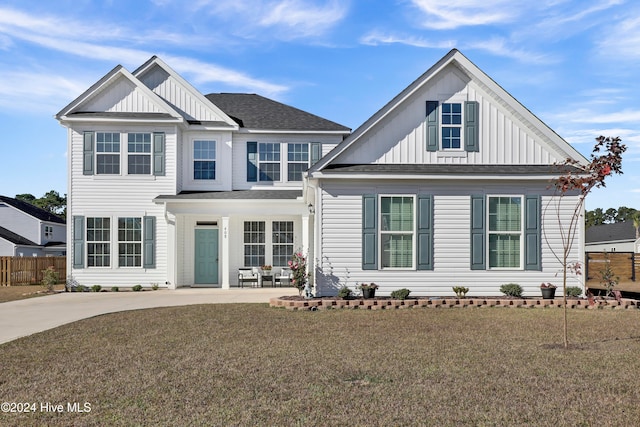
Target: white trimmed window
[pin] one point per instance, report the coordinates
(505, 232)
(297, 160)
(107, 153)
(139, 153)
(397, 229)
(451, 126)
(269, 161)
(48, 231)
(204, 160)
(282, 240)
(254, 243)
(130, 242)
(98, 242)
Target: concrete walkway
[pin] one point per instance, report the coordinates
(28, 316)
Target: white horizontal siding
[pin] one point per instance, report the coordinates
(400, 137)
(341, 236)
(120, 196)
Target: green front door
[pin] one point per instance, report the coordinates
(206, 256)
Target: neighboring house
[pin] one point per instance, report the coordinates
(616, 237)
(446, 185)
(27, 230)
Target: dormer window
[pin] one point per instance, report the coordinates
(451, 126)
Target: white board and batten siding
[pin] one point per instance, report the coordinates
(123, 96)
(341, 241)
(400, 137)
(186, 99)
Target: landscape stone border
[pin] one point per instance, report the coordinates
(431, 302)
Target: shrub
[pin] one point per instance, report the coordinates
(49, 278)
(344, 292)
(79, 288)
(400, 293)
(137, 288)
(460, 291)
(155, 287)
(511, 290)
(115, 289)
(96, 288)
(574, 291)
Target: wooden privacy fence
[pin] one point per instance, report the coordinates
(28, 270)
(624, 265)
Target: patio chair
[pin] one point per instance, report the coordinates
(247, 275)
(284, 277)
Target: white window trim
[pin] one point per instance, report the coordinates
(116, 255)
(192, 161)
(87, 242)
(96, 153)
(280, 162)
(454, 100)
(413, 233)
(268, 238)
(127, 154)
(489, 232)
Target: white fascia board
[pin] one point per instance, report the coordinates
(65, 119)
(396, 177)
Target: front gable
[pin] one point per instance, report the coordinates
(118, 95)
(181, 95)
(452, 114)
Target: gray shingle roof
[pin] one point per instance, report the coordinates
(431, 169)
(14, 238)
(616, 232)
(34, 211)
(235, 195)
(253, 111)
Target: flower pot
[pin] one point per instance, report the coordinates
(368, 293)
(548, 293)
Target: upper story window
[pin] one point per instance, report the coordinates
(204, 160)
(269, 161)
(48, 231)
(451, 126)
(297, 161)
(101, 153)
(265, 163)
(107, 153)
(139, 157)
(505, 232)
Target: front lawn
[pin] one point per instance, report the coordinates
(253, 365)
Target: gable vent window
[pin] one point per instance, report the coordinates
(451, 126)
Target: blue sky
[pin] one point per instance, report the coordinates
(573, 63)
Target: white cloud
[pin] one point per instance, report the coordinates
(622, 39)
(451, 14)
(284, 19)
(376, 38)
(53, 34)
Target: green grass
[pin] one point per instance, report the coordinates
(253, 365)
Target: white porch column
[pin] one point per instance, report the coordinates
(305, 235)
(225, 253)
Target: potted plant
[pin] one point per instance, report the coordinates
(266, 268)
(368, 290)
(548, 290)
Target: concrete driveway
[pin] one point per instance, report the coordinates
(28, 316)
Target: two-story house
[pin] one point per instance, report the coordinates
(27, 230)
(172, 187)
(447, 184)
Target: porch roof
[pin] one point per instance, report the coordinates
(232, 195)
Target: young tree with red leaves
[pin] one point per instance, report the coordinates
(579, 179)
